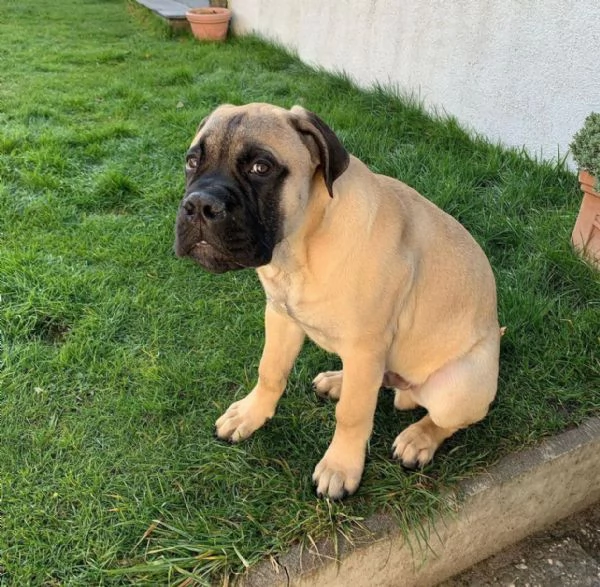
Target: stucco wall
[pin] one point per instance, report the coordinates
(520, 71)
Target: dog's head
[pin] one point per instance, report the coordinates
(250, 172)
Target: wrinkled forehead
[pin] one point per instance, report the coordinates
(232, 128)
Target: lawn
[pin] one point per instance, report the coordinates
(116, 358)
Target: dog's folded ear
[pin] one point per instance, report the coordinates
(332, 156)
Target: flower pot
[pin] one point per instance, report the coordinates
(586, 233)
(209, 24)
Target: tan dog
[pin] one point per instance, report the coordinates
(359, 262)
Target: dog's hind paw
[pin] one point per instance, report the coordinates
(328, 384)
(415, 446)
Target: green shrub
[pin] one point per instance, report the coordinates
(586, 146)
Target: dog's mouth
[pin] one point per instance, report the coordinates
(212, 257)
(227, 249)
(201, 245)
(206, 247)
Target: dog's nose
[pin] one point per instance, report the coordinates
(202, 206)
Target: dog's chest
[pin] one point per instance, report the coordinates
(316, 326)
(315, 318)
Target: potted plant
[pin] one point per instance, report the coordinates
(585, 149)
(210, 23)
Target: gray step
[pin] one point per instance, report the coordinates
(173, 9)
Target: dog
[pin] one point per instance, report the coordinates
(361, 263)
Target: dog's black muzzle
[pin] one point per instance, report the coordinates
(216, 229)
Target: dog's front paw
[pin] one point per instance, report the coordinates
(338, 475)
(243, 417)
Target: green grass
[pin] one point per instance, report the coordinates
(116, 358)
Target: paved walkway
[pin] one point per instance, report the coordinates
(565, 555)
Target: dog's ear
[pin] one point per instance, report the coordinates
(331, 154)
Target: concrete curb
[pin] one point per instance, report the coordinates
(522, 494)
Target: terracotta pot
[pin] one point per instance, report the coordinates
(209, 24)
(586, 233)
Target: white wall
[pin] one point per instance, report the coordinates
(526, 72)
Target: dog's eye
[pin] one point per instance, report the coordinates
(192, 162)
(260, 168)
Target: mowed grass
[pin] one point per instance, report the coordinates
(116, 358)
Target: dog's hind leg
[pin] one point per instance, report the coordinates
(403, 400)
(455, 396)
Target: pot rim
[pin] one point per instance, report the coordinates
(208, 14)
